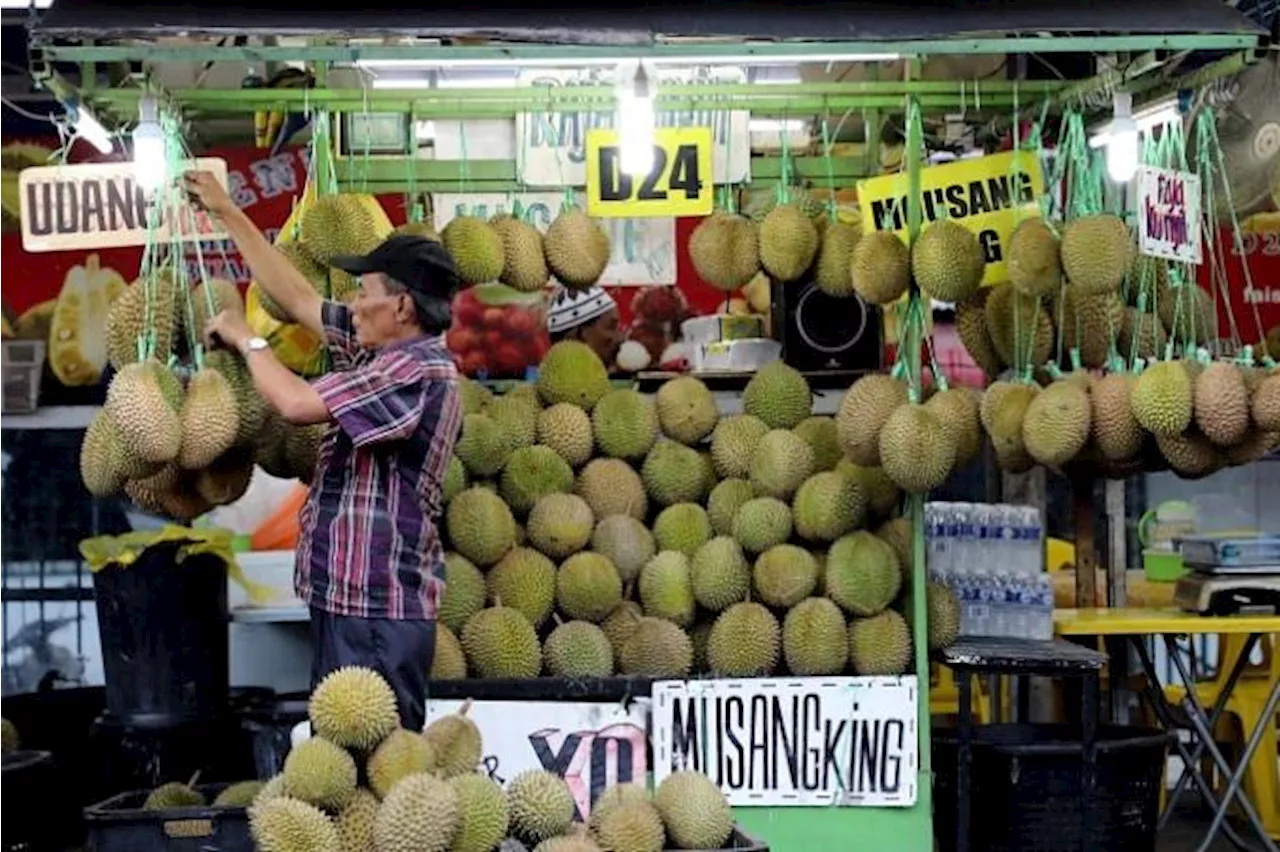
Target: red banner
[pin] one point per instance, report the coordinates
(1260, 291)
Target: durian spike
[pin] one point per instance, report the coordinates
(466, 706)
(194, 778)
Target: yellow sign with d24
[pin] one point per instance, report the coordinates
(678, 183)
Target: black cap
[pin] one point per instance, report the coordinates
(419, 264)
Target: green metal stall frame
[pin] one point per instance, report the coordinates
(787, 829)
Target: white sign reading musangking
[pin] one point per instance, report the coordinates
(100, 205)
(643, 251)
(551, 146)
(800, 742)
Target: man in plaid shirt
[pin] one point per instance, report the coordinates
(369, 559)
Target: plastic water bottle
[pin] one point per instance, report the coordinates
(939, 559)
(1042, 602)
(1033, 532)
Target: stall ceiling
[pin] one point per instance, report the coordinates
(631, 23)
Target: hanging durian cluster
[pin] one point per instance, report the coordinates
(507, 249)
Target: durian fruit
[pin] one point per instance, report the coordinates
(625, 424)
(725, 250)
(588, 587)
(1034, 265)
(149, 305)
(632, 827)
(288, 825)
(578, 649)
(686, 409)
(880, 267)
(916, 451)
(612, 487)
(402, 753)
(524, 580)
(866, 407)
(1187, 311)
(684, 527)
(541, 805)
(476, 249)
(480, 526)
(1090, 322)
(957, 411)
(532, 473)
(449, 662)
(210, 419)
(666, 588)
(780, 465)
(1057, 422)
(456, 741)
(238, 795)
(694, 811)
(673, 473)
(1264, 404)
(779, 395)
(483, 446)
(566, 429)
(833, 272)
(106, 464)
(340, 224)
(320, 773)
(355, 822)
(500, 642)
(483, 814)
(577, 249)
(828, 505)
(173, 794)
(814, 641)
(944, 615)
(560, 525)
(880, 644)
(464, 591)
(788, 243)
(77, 338)
(971, 327)
(947, 261)
(572, 372)
(564, 843)
(1004, 407)
(896, 533)
(1190, 454)
(1222, 404)
(1096, 252)
(353, 707)
(627, 543)
(1143, 329)
(784, 575)
(222, 294)
(862, 573)
(524, 266)
(1021, 329)
(882, 495)
(653, 647)
(420, 814)
(1116, 432)
(227, 479)
(614, 797)
(822, 436)
(1163, 399)
(143, 400)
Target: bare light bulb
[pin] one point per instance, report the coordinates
(1122, 141)
(149, 162)
(636, 122)
(88, 128)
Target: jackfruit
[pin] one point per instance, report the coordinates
(1033, 259)
(500, 642)
(612, 487)
(456, 741)
(862, 573)
(145, 307)
(723, 504)
(174, 794)
(833, 270)
(867, 405)
(560, 525)
(625, 424)
(420, 814)
(657, 648)
(142, 403)
(566, 428)
(532, 473)
(1021, 329)
(588, 587)
(682, 527)
(572, 372)
(814, 640)
(632, 827)
(482, 445)
(1162, 399)
(666, 588)
(947, 261)
(1222, 404)
(916, 451)
(784, 575)
(480, 526)
(400, 754)
(733, 442)
(673, 473)
(971, 327)
(694, 811)
(828, 505)
(524, 266)
(780, 465)
(578, 649)
(355, 822)
(1096, 252)
(725, 250)
(448, 661)
(1116, 431)
(106, 464)
(626, 542)
(541, 805)
(720, 573)
(778, 395)
(880, 267)
(77, 336)
(1056, 426)
(288, 825)
(320, 773)
(686, 410)
(464, 591)
(788, 243)
(483, 813)
(880, 645)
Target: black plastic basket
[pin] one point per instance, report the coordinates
(739, 841)
(271, 728)
(121, 825)
(1026, 784)
(36, 816)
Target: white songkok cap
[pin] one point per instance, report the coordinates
(571, 308)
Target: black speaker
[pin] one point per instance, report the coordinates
(819, 332)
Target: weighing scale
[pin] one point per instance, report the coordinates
(1230, 575)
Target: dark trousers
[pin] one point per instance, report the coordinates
(400, 651)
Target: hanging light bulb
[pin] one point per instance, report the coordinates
(88, 128)
(636, 120)
(1122, 141)
(149, 160)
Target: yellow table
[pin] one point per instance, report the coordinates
(1135, 624)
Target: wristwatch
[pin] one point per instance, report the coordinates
(254, 344)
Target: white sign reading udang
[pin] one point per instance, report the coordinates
(100, 205)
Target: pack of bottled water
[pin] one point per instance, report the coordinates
(992, 557)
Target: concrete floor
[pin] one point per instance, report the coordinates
(1187, 830)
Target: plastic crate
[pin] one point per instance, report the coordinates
(739, 841)
(22, 366)
(121, 825)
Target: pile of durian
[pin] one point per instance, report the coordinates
(592, 530)
(362, 783)
(177, 440)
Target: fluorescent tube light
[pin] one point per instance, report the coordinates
(604, 61)
(88, 128)
(777, 125)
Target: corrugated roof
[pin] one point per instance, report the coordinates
(613, 23)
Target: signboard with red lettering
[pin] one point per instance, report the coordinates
(101, 205)
(1169, 214)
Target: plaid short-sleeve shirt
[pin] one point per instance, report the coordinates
(369, 544)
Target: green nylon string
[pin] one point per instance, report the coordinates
(830, 167)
